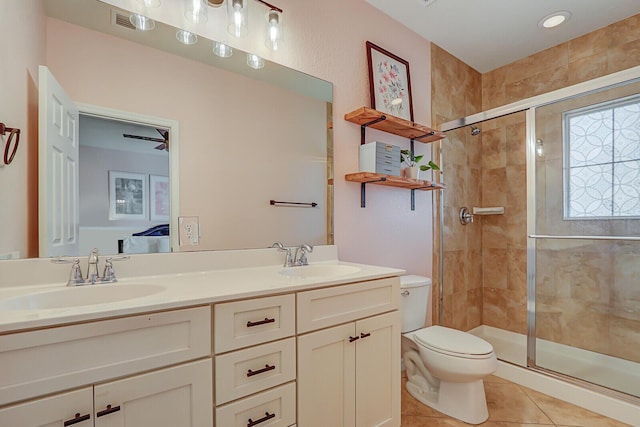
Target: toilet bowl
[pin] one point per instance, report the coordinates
(445, 367)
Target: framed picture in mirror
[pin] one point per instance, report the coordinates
(159, 197)
(128, 196)
(389, 83)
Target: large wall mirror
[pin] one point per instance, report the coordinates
(236, 138)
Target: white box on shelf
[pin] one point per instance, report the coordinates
(379, 157)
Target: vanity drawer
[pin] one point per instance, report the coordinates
(255, 321)
(322, 308)
(38, 362)
(277, 407)
(254, 369)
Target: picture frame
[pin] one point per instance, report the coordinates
(159, 197)
(389, 83)
(128, 196)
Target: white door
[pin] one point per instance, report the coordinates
(378, 371)
(326, 377)
(181, 396)
(67, 409)
(58, 152)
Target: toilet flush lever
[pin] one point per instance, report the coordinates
(405, 293)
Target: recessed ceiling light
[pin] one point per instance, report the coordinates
(554, 19)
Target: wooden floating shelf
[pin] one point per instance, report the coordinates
(393, 181)
(364, 116)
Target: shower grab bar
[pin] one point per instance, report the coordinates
(546, 236)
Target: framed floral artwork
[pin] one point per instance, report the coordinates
(389, 82)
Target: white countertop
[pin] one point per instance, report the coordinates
(178, 290)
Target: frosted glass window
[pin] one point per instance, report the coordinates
(602, 160)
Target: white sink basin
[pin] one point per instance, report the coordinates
(79, 296)
(319, 270)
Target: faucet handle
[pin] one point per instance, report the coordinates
(301, 254)
(75, 277)
(288, 261)
(109, 275)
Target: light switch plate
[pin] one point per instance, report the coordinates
(189, 230)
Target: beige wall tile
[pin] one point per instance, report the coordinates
(587, 68)
(494, 268)
(623, 56)
(494, 148)
(589, 45)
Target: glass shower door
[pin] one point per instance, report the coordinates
(584, 243)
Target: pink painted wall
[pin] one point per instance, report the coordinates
(327, 39)
(22, 47)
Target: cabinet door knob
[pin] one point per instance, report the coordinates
(352, 339)
(110, 410)
(77, 419)
(364, 334)
(267, 417)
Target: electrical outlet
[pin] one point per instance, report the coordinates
(189, 230)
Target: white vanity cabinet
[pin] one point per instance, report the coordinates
(177, 396)
(145, 371)
(349, 369)
(255, 361)
(74, 408)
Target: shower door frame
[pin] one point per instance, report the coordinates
(529, 106)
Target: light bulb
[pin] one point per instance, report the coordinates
(141, 22)
(150, 3)
(222, 50)
(237, 12)
(196, 11)
(274, 30)
(186, 37)
(254, 61)
(539, 148)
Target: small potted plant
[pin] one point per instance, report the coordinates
(412, 170)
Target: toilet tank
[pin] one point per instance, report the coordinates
(414, 299)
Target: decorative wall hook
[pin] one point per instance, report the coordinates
(11, 146)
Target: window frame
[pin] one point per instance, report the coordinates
(566, 146)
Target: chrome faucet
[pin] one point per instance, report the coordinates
(93, 277)
(288, 260)
(300, 257)
(92, 268)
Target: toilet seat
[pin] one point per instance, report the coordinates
(453, 342)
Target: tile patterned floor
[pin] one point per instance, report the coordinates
(510, 405)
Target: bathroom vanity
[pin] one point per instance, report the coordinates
(242, 344)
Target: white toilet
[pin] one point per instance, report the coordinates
(444, 366)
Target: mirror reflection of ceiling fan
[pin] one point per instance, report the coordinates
(164, 141)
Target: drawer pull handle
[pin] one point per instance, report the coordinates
(260, 322)
(78, 419)
(109, 410)
(266, 368)
(267, 417)
(352, 339)
(364, 334)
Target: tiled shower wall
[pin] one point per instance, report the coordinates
(455, 93)
(485, 262)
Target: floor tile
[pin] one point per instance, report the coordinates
(563, 413)
(508, 402)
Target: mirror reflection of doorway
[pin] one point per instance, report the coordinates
(124, 186)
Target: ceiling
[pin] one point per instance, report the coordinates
(487, 34)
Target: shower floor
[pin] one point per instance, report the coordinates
(611, 372)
